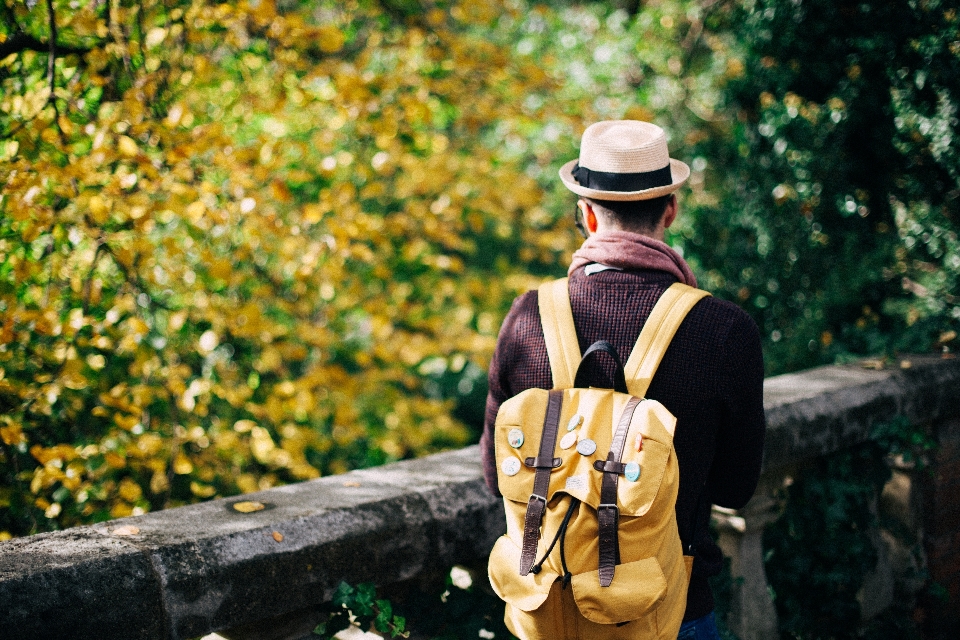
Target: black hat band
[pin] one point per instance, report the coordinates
(606, 181)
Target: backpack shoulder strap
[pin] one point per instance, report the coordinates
(563, 348)
(657, 332)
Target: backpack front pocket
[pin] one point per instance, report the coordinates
(637, 588)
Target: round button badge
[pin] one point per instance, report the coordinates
(575, 422)
(586, 447)
(568, 440)
(515, 438)
(510, 466)
(632, 471)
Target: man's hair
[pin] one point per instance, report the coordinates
(632, 215)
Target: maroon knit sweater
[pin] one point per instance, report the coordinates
(711, 379)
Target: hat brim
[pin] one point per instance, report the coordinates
(679, 172)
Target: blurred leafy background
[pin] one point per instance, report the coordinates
(251, 243)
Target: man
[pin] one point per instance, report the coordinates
(711, 377)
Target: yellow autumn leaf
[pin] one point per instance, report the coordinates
(159, 483)
(126, 530)
(195, 211)
(202, 490)
(12, 435)
(261, 445)
(182, 465)
(129, 490)
(248, 506)
(330, 39)
(114, 460)
(99, 209)
(127, 146)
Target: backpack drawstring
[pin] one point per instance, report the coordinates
(561, 536)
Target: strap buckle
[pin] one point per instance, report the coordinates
(604, 507)
(536, 496)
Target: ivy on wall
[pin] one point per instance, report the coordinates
(821, 549)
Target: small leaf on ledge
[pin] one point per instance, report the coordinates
(248, 506)
(126, 530)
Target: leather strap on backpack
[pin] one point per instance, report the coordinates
(608, 514)
(544, 462)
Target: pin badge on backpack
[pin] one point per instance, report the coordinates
(586, 447)
(515, 438)
(510, 466)
(575, 422)
(568, 440)
(632, 471)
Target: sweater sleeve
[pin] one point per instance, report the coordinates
(739, 445)
(499, 391)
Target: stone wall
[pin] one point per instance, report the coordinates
(185, 572)
(941, 507)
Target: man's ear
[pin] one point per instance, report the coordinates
(670, 213)
(589, 215)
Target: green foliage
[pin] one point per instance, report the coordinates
(457, 611)
(244, 244)
(898, 437)
(448, 612)
(820, 550)
(359, 605)
(837, 224)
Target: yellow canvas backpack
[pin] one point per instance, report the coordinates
(589, 479)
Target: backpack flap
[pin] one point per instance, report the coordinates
(592, 412)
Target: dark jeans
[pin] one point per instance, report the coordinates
(704, 628)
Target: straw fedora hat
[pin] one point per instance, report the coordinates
(624, 160)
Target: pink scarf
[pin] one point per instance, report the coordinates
(626, 250)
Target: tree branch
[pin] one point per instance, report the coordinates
(88, 283)
(52, 68)
(132, 278)
(20, 42)
(118, 35)
(52, 62)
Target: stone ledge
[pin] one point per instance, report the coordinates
(205, 567)
(818, 411)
